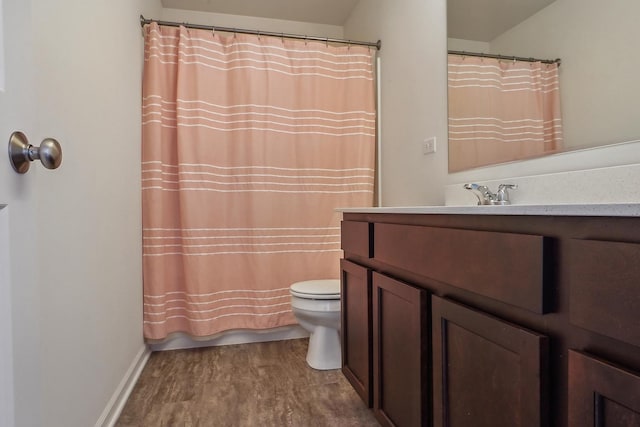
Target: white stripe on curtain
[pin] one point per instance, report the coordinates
(249, 145)
(501, 111)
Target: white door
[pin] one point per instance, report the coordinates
(6, 335)
(17, 197)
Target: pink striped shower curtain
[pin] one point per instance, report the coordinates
(501, 111)
(249, 144)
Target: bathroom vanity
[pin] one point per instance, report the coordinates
(494, 316)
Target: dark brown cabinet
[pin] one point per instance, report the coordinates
(486, 372)
(493, 320)
(400, 368)
(467, 258)
(603, 282)
(356, 328)
(601, 394)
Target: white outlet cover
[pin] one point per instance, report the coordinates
(429, 145)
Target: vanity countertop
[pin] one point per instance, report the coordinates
(604, 209)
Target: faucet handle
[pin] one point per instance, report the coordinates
(486, 197)
(503, 193)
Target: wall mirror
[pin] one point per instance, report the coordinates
(599, 91)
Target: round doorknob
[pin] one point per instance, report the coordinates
(49, 153)
(21, 152)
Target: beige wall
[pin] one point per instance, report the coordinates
(413, 95)
(73, 73)
(89, 62)
(468, 45)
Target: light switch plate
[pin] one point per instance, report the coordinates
(429, 145)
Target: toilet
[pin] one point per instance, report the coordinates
(316, 305)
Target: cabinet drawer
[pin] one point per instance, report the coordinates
(604, 280)
(356, 238)
(504, 266)
(601, 394)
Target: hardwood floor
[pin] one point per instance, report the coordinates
(263, 384)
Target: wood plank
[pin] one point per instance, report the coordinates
(261, 384)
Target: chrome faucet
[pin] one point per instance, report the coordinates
(486, 197)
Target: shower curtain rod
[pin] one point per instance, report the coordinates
(144, 21)
(510, 58)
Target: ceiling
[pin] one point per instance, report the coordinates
(333, 12)
(484, 20)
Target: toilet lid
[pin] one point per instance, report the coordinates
(317, 289)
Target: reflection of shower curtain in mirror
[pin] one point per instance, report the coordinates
(501, 111)
(249, 144)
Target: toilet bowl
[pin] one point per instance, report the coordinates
(316, 305)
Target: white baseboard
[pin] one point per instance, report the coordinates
(119, 399)
(181, 341)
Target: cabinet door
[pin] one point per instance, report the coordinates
(356, 328)
(400, 353)
(486, 372)
(601, 394)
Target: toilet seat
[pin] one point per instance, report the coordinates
(327, 289)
